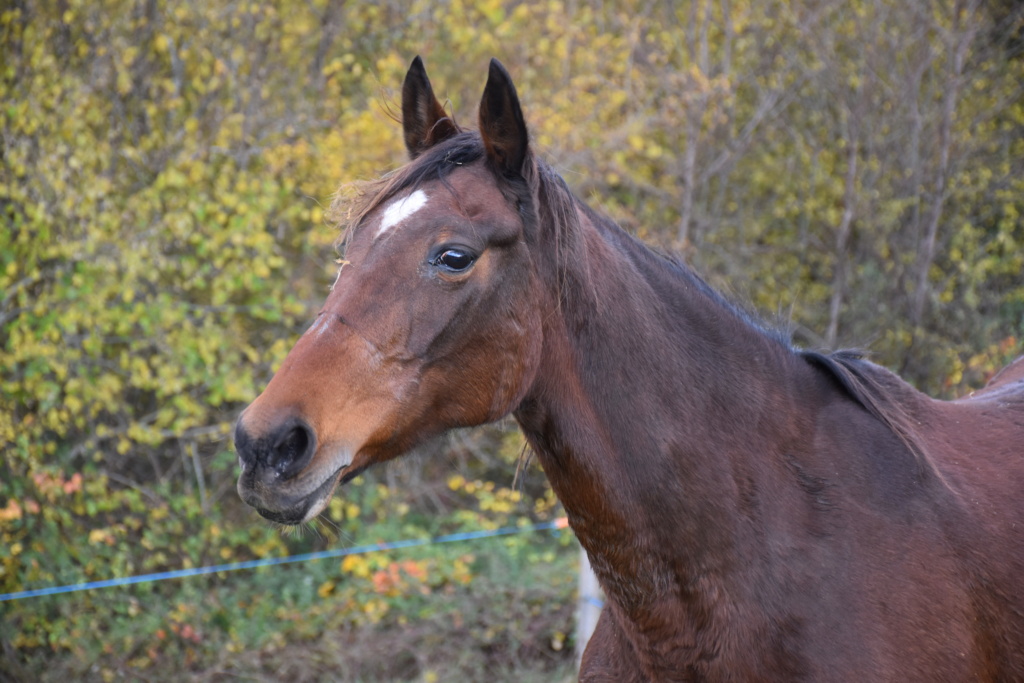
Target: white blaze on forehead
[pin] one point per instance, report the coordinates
(400, 209)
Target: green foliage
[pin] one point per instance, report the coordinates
(854, 167)
(505, 598)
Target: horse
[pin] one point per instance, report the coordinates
(753, 511)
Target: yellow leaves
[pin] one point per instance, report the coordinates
(9, 16)
(129, 55)
(390, 66)
(546, 504)
(141, 434)
(461, 571)
(339, 508)
(11, 512)
(499, 500)
(356, 565)
(161, 43)
(124, 82)
(97, 536)
(73, 403)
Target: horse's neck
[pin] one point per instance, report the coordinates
(642, 417)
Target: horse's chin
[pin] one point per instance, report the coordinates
(296, 512)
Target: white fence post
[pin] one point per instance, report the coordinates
(589, 606)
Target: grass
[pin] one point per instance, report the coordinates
(490, 610)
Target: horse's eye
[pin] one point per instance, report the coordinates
(455, 260)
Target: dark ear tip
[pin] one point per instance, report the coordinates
(424, 121)
(416, 70)
(497, 69)
(501, 122)
(499, 82)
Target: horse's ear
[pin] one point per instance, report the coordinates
(501, 123)
(424, 120)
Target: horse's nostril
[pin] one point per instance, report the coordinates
(281, 452)
(292, 450)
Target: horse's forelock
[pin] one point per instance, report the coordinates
(353, 202)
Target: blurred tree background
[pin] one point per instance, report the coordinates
(854, 168)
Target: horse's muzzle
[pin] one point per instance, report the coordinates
(271, 464)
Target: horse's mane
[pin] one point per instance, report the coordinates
(353, 202)
(876, 390)
(881, 393)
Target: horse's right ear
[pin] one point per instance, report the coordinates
(502, 126)
(424, 121)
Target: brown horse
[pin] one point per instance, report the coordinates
(753, 511)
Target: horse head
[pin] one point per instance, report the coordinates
(433, 322)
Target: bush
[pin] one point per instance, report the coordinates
(163, 173)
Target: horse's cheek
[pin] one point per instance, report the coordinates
(514, 379)
(508, 359)
(528, 352)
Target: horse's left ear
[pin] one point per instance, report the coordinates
(502, 126)
(424, 121)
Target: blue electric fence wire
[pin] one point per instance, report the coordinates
(272, 561)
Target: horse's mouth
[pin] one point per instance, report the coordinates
(292, 512)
